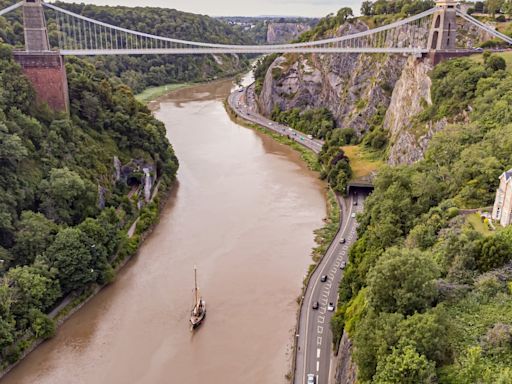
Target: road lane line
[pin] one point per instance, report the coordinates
(318, 353)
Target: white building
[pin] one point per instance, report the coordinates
(502, 211)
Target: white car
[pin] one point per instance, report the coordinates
(311, 378)
(353, 215)
(330, 307)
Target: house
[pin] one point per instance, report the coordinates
(502, 211)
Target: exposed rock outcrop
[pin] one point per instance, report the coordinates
(410, 97)
(284, 32)
(352, 86)
(346, 369)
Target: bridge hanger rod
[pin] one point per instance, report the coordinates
(277, 47)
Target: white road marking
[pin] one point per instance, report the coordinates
(319, 340)
(321, 319)
(327, 258)
(318, 353)
(320, 329)
(317, 369)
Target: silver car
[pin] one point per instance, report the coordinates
(311, 378)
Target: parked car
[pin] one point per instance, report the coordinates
(353, 215)
(323, 279)
(310, 137)
(315, 305)
(355, 202)
(330, 307)
(342, 264)
(342, 240)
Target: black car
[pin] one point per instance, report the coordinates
(315, 305)
(323, 279)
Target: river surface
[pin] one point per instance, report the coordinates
(243, 210)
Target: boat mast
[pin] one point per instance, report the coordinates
(195, 283)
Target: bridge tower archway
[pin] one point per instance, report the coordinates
(443, 32)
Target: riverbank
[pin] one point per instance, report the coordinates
(153, 93)
(324, 236)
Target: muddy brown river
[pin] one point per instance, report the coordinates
(243, 210)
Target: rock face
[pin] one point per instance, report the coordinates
(346, 370)
(284, 32)
(352, 86)
(410, 97)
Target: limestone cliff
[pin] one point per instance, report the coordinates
(352, 86)
(284, 32)
(356, 88)
(346, 369)
(410, 96)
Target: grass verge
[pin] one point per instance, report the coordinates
(152, 93)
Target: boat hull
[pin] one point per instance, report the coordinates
(198, 315)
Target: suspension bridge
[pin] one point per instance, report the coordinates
(431, 32)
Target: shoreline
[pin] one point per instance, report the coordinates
(78, 300)
(333, 217)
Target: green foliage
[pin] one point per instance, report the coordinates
(494, 252)
(72, 256)
(402, 281)
(54, 238)
(142, 71)
(414, 250)
(405, 366)
(404, 7)
(316, 122)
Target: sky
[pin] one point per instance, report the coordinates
(310, 8)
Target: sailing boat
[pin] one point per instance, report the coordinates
(198, 312)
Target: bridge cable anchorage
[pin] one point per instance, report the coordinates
(485, 27)
(86, 36)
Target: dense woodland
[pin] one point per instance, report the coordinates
(56, 235)
(427, 294)
(139, 72)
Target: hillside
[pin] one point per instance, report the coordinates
(140, 72)
(69, 188)
(426, 296)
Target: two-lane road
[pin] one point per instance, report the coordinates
(314, 338)
(243, 103)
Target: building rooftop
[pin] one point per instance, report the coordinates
(508, 175)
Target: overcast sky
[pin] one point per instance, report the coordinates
(311, 8)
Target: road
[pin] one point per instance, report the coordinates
(314, 338)
(243, 103)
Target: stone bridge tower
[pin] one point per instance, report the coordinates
(44, 68)
(442, 39)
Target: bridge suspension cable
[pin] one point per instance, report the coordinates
(80, 35)
(11, 8)
(485, 27)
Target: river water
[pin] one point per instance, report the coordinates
(243, 210)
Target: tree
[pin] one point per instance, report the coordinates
(495, 251)
(403, 281)
(66, 197)
(12, 149)
(495, 63)
(35, 233)
(494, 6)
(72, 256)
(32, 290)
(405, 366)
(367, 8)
